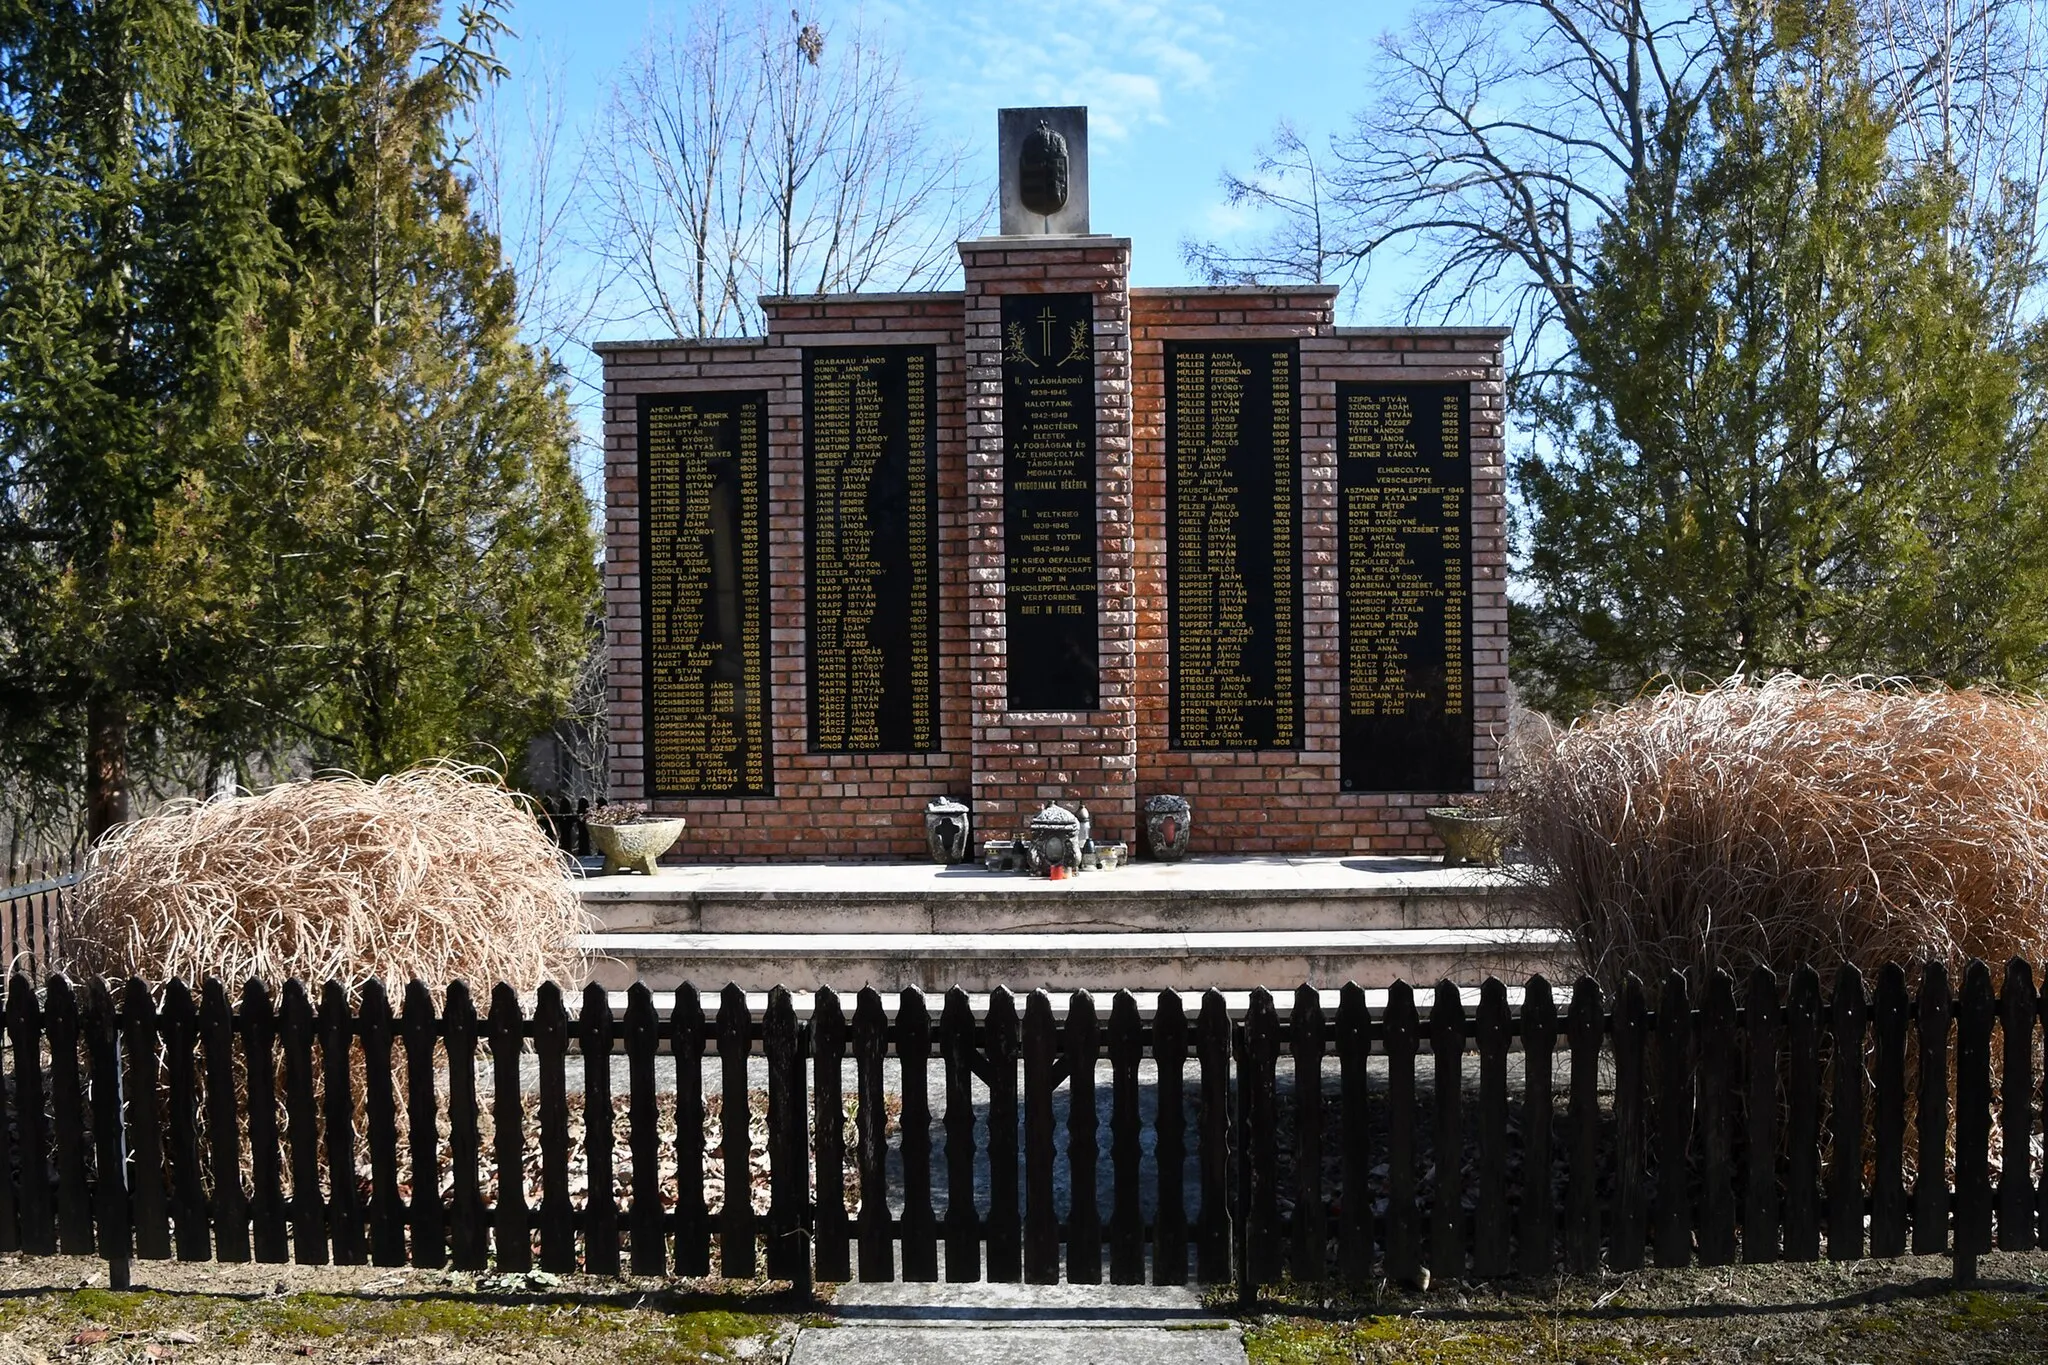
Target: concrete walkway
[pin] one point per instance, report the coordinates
(994, 1324)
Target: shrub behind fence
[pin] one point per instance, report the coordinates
(1766, 1124)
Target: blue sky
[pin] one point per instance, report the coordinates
(1176, 91)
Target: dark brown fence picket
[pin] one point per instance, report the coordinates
(1890, 1013)
(1631, 1094)
(2016, 1008)
(302, 1128)
(956, 1048)
(789, 1143)
(425, 1213)
(230, 1211)
(1311, 1226)
(1259, 1127)
(32, 1135)
(1762, 1213)
(1447, 1059)
(1126, 1219)
(551, 1050)
(149, 1196)
(469, 1241)
(1848, 1015)
(735, 1113)
(920, 1221)
(643, 1120)
(693, 1215)
(1005, 1232)
(600, 1199)
(67, 1120)
(268, 1211)
(1041, 1216)
(1715, 1044)
(113, 1231)
(1404, 1218)
(346, 1225)
(1170, 1222)
(380, 1102)
(832, 1232)
(1354, 1209)
(511, 1220)
(1582, 1194)
(1214, 1231)
(1933, 1020)
(1536, 1228)
(1493, 1027)
(1802, 1122)
(1079, 1047)
(1672, 1209)
(1976, 1013)
(871, 1132)
(179, 1025)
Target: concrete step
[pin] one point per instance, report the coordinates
(1198, 896)
(1156, 960)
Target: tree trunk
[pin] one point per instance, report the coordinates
(106, 766)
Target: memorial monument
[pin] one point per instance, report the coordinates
(1048, 537)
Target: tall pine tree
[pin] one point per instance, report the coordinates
(1797, 436)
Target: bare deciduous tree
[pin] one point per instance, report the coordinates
(750, 153)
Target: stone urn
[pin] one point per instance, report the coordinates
(634, 846)
(948, 830)
(1168, 823)
(1470, 838)
(1055, 840)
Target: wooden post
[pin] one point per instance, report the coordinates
(302, 1123)
(1311, 1226)
(1404, 1233)
(180, 1020)
(963, 1228)
(111, 1190)
(2016, 1009)
(387, 1210)
(1891, 1013)
(736, 1218)
(1582, 1191)
(1215, 1236)
(1447, 1214)
(149, 1202)
(1005, 1231)
(1718, 1041)
(1673, 1235)
(1802, 1123)
(267, 1211)
(693, 1216)
(1084, 1218)
(1846, 1118)
(1975, 1014)
(557, 1214)
(223, 1132)
(1537, 1234)
(1354, 1219)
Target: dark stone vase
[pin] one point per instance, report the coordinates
(1168, 823)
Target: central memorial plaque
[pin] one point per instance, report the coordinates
(704, 593)
(1404, 485)
(1233, 546)
(871, 530)
(1049, 532)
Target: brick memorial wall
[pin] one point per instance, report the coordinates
(1052, 537)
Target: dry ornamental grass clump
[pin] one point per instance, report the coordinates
(1790, 821)
(438, 873)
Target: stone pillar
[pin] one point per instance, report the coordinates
(1022, 759)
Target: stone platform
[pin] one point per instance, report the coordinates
(1234, 923)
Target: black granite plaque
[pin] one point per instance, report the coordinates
(1049, 533)
(1233, 528)
(871, 533)
(704, 593)
(1404, 480)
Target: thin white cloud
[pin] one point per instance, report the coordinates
(1127, 60)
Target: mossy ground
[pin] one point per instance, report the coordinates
(1863, 1313)
(57, 1310)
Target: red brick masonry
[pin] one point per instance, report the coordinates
(871, 806)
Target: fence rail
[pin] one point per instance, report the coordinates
(1764, 1124)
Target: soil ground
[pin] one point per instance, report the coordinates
(1861, 1313)
(58, 1311)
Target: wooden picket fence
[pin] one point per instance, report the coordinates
(32, 906)
(1763, 1124)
